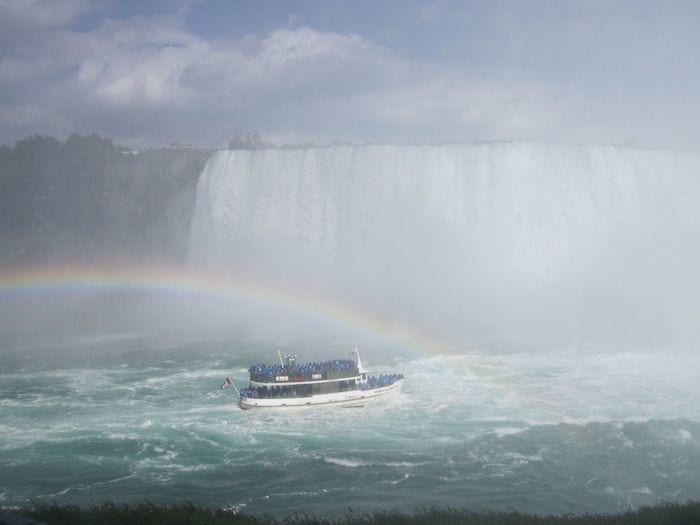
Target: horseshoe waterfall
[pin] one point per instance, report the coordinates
(505, 241)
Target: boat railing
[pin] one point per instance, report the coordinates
(380, 381)
(290, 376)
(312, 371)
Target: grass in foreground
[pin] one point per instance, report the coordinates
(189, 514)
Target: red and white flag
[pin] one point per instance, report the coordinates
(227, 382)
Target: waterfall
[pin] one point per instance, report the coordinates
(517, 237)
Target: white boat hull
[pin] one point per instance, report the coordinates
(350, 398)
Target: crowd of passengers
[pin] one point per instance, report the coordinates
(276, 391)
(305, 390)
(269, 372)
(380, 381)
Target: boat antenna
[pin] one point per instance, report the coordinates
(280, 356)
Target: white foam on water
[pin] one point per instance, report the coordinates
(405, 464)
(350, 463)
(580, 388)
(685, 435)
(397, 481)
(641, 490)
(508, 431)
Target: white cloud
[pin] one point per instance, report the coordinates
(149, 79)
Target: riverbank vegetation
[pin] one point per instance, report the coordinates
(147, 513)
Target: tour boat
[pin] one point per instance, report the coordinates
(341, 382)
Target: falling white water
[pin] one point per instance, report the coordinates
(512, 240)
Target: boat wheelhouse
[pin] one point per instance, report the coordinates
(342, 382)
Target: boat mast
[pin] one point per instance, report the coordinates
(229, 381)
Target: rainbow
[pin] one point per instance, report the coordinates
(242, 286)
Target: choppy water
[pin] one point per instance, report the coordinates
(562, 430)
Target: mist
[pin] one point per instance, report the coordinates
(475, 243)
(488, 242)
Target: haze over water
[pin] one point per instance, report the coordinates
(560, 278)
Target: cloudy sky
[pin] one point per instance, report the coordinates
(150, 73)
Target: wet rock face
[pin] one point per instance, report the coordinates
(90, 200)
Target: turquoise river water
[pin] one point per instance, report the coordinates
(125, 418)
